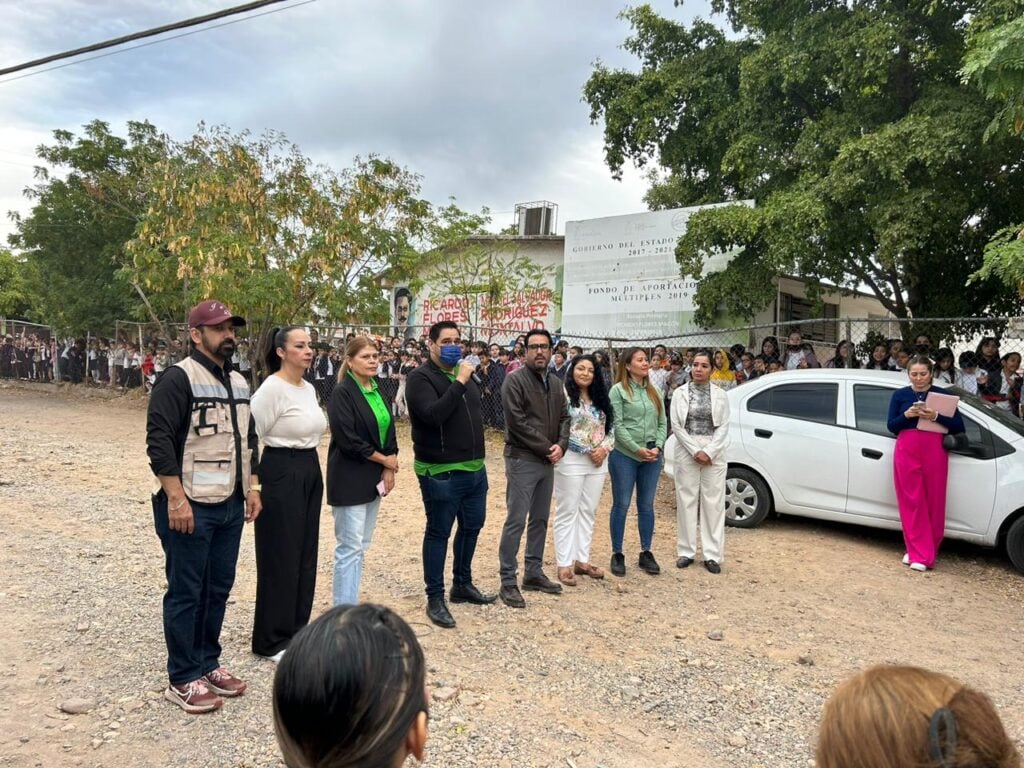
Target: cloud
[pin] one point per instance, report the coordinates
(482, 99)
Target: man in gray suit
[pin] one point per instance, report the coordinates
(536, 438)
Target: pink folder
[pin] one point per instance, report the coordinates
(944, 404)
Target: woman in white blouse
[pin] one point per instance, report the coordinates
(580, 475)
(290, 425)
(700, 421)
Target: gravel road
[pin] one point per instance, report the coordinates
(681, 669)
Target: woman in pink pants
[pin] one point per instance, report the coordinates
(920, 465)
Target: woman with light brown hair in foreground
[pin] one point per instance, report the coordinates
(908, 717)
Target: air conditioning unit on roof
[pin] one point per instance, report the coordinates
(537, 218)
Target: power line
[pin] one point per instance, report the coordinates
(147, 33)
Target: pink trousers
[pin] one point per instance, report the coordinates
(920, 471)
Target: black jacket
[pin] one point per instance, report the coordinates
(447, 420)
(536, 415)
(351, 476)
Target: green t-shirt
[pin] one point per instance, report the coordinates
(377, 405)
(426, 469)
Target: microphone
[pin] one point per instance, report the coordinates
(476, 379)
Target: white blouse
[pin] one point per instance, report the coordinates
(287, 416)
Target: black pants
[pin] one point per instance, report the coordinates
(287, 540)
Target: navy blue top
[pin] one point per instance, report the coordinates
(904, 398)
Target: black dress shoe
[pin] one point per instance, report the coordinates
(542, 584)
(438, 612)
(648, 564)
(684, 562)
(512, 597)
(468, 593)
(712, 566)
(618, 567)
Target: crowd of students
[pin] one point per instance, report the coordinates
(125, 364)
(102, 362)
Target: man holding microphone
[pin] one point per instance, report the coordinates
(448, 447)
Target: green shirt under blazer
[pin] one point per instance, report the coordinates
(356, 434)
(638, 420)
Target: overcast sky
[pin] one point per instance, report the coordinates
(481, 98)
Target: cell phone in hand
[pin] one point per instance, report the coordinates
(651, 445)
(382, 488)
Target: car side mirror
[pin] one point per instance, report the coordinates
(957, 442)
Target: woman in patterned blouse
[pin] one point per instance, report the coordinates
(580, 475)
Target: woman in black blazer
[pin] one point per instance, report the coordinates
(361, 463)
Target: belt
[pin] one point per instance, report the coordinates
(288, 451)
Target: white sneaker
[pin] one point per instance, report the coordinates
(906, 559)
(918, 567)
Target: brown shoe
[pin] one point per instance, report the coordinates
(565, 576)
(542, 583)
(586, 569)
(223, 683)
(195, 698)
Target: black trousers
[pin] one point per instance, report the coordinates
(287, 541)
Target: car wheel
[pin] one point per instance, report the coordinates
(1015, 543)
(747, 499)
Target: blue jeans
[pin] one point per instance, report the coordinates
(353, 531)
(447, 497)
(627, 473)
(200, 570)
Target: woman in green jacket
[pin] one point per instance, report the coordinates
(640, 429)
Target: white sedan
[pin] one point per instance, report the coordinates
(815, 443)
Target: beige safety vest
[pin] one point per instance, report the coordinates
(216, 447)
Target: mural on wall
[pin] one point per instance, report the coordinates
(498, 291)
(517, 310)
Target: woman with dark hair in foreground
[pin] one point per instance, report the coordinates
(350, 693)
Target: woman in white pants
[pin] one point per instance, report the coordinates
(700, 421)
(580, 475)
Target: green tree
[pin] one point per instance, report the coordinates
(847, 123)
(15, 294)
(994, 64)
(483, 271)
(85, 207)
(255, 223)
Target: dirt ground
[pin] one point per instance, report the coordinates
(611, 673)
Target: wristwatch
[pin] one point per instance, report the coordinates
(256, 487)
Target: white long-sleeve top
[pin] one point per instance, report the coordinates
(287, 416)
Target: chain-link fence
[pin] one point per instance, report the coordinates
(959, 346)
(139, 353)
(962, 348)
(26, 350)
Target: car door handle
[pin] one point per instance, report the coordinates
(870, 453)
(765, 433)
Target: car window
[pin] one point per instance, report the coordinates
(978, 442)
(812, 401)
(990, 409)
(871, 408)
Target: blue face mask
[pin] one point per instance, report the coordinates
(451, 354)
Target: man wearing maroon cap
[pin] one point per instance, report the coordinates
(202, 446)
